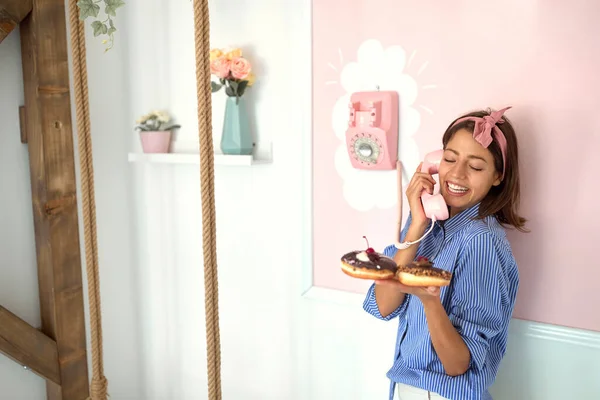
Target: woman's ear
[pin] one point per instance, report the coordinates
(497, 179)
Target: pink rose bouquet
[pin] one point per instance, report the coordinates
(233, 71)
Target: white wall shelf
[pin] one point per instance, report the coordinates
(185, 155)
(192, 158)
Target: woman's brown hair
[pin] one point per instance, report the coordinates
(502, 201)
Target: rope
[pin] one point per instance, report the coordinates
(202, 42)
(99, 383)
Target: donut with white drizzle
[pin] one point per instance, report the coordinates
(368, 264)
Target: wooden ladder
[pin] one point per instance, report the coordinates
(57, 352)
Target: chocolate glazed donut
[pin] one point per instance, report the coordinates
(421, 272)
(368, 264)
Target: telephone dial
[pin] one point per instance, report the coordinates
(372, 134)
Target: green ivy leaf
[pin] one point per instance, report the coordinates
(112, 28)
(99, 28)
(87, 8)
(112, 6)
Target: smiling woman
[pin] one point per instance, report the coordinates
(458, 331)
(482, 167)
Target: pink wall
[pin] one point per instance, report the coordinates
(445, 58)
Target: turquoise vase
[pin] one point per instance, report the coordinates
(236, 137)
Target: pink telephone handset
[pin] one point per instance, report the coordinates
(433, 204)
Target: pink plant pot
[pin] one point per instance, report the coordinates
(155, 141)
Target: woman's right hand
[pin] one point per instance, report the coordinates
(419, 291)
(421, 181)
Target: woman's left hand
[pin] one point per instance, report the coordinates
(423, 293)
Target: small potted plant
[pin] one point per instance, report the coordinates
(155, 131)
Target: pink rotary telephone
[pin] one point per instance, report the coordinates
(433, 204)
(372, 133)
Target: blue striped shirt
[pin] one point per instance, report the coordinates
(479, 302)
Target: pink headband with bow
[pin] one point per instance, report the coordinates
(483, 131)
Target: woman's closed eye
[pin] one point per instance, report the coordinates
(473, 167)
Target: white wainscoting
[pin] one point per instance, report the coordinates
(547, 362)
(543, 362)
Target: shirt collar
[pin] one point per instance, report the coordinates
(459, 221)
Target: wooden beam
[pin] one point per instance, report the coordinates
(28, 346)
(49, 135)
(12, 12)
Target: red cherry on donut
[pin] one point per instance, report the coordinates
(422, 258)
(369, 249)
